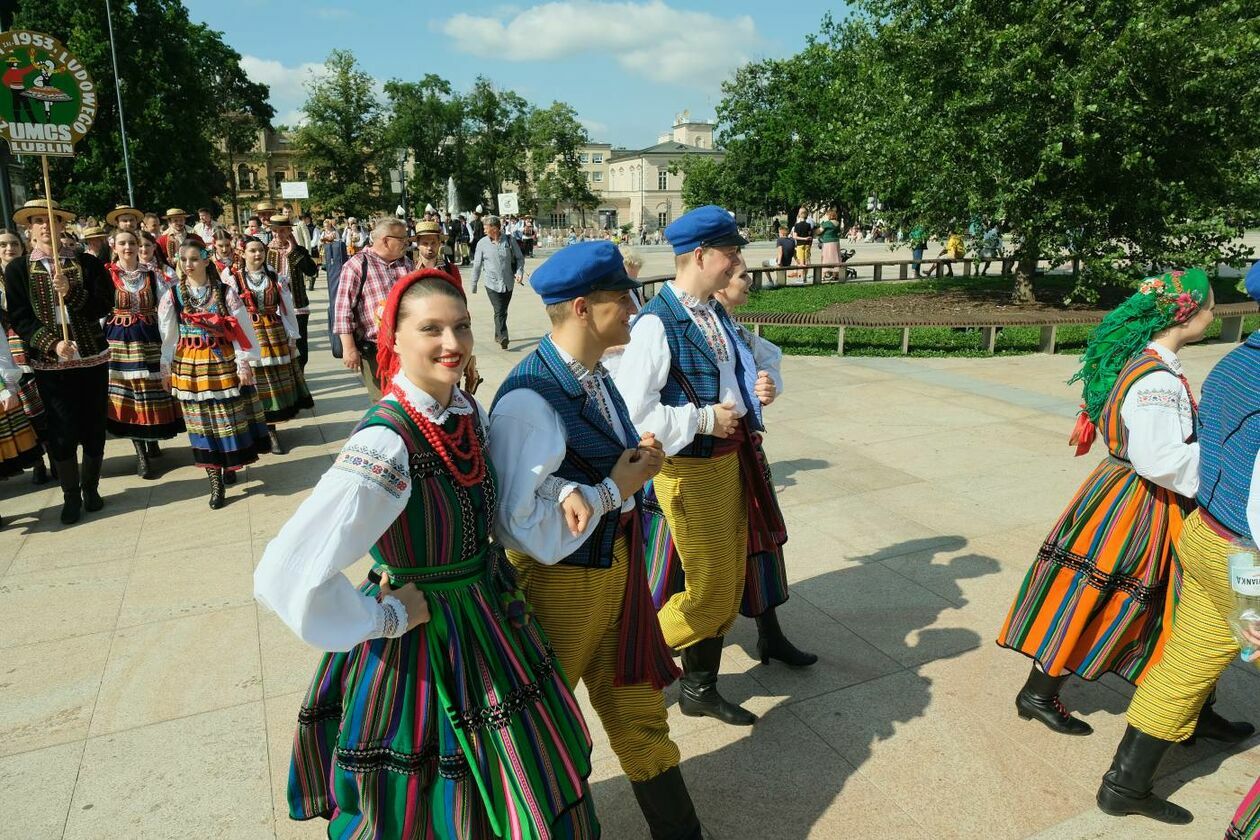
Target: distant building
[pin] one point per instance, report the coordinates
(258, 173)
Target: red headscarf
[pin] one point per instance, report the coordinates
(386, 358)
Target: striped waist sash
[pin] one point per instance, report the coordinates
(435, 578)
(1217, 528)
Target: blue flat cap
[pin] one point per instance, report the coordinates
(580, 269)
(709, 226)
(1252, 281)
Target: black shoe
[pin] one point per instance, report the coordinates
(91, 479)
(503, 343)
(143, 468)
(1039, 700)
(772, 644)
(72, 500)
(229, 476)
(1126, 787)
(666, 805)
(698, 695)
(39, 473)
(277, 448)
(1216, 728)
(154, 450)
(217, 491)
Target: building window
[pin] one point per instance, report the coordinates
(662, 179)
(559, 220)
(588, 174)
(597, 157)
(662, 219)
(599, 176)
(279, 179)
(301, 176)
(244, 177)
(584, 158)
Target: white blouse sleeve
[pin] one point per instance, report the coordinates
(238, 311)
(168, 326)
(288, 310)
(641, 374)
(1253, 502)
(1157, 448)
(353, 504)
(527, 445)
(768, 358)
(9, 370)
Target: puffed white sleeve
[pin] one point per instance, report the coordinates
(1157, 445)
(641, 374)
(769, 358)
(238, 311)
(9, 370)
(1253, 502)
(288, 310)
(527, 445)
(300, 576)
(168, 326)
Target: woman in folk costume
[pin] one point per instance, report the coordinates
(151, 255)
(281, 385)
(1101, 593)
(225, 256)
(10, 249)
(139, 406)
(765, 576)
(439, 711)
(207, 346)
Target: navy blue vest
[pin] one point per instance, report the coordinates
(694, 378)
(1229, 436)
(593, 444)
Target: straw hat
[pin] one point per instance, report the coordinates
(94, 232)
(264, 207)
(111, 218)
(175, 211)
(280, 220)
(428, 228)
(39, 207)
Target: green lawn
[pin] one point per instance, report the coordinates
(924, 341)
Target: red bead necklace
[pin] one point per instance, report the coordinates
(462, 444)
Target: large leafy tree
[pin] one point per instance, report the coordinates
(343, 142)
(172, 103)
(556, 175)
(427, 118)
(496, 135)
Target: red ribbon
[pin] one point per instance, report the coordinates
(223, 327)
(1083, 434)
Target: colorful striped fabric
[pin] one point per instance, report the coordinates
(138, 406)
(1101, 593)
(281, 384)
(19, 447)
(463, 728)
(1246, 822)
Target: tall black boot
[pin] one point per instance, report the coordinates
(1216, 728)
(91, 480)
(666, 805)
(39, 473)
(1126, 787)
(72, 500)
(143, 468)
(155, 451)
(698, 696)
(1039, 699)
(277, 448)
(217, 491)
(772, 644)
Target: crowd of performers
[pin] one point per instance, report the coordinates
(161, 334)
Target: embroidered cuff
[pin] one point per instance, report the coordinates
(391, 621)
(44, 341)
(555, 489)
(609, 495)
(704, 426)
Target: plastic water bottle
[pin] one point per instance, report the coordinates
(1244, 579)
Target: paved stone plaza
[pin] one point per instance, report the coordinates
(144, 694)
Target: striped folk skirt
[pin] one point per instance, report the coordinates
(19, 445)
(225, 421)
(281, 385)
(1246, 822)
(1101, 593)
(462, 729)
(138, 406)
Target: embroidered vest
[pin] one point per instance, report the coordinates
(1110, 424)
(593, 446)
(694, 377)
(1229, 436)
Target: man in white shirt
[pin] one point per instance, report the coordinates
(571, 467)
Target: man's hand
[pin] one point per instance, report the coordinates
(60, 284)
(577, 512)
(350, 356)
(764, 389)
(635, 468)
(724, 420)
(66, 350)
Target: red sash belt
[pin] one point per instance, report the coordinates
(642, 655)
(1216, 527)
(766, 529)
(222, 327)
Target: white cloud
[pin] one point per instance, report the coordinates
(649, 39)
(287, 84)
(596, 128)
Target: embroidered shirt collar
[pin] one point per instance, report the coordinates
(428, 406)
(39, 254)
(1169, 357)
(579, 370)
(689, 300)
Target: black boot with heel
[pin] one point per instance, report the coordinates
(1039, 700)
(1127, 787)
(217, 490)
(698, 695)
(772, 644)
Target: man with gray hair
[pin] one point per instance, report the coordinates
(366, 279)
(499, 260)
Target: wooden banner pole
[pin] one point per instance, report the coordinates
(56, 250)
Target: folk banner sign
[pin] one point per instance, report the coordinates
(49, 101)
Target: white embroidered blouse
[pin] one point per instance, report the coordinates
(1158, 417)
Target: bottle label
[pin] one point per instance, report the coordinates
(1245, 580)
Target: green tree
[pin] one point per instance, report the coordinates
(426, 117)
(555, 170)
(343, 142)
(496, 136)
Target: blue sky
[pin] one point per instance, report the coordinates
(626, 67)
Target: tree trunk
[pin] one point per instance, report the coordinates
(1025, 269)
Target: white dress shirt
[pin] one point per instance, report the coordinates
(527, 445)
(300, 575)
(1157, 414)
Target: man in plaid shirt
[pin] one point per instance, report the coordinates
(366, 279)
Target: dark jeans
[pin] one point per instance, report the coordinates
(917, 255)
(499, 302)
(303, 351)
(75, 401)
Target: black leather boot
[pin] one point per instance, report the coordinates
(155, 451)
(666, 805)
(698, 695)
(1216, 728)
(229, 477)
(1126, 787)
(72, 500)
(143, 468)
(772, 644)
(91, 480)
(39, 473)
(277, 448)
(1039, 700)
(217, 491)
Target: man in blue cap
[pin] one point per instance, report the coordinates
(571, 469)
(1169, 701)
(687, 379)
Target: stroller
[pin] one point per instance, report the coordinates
(846, 254)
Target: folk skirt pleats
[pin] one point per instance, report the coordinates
(225, 421)
(19, 445)
(139, 407)
(1246, 822)
(281, 385)
(1101, 593)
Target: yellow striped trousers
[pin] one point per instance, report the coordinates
(1200, 647)
(580, 610)
(703, 502)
